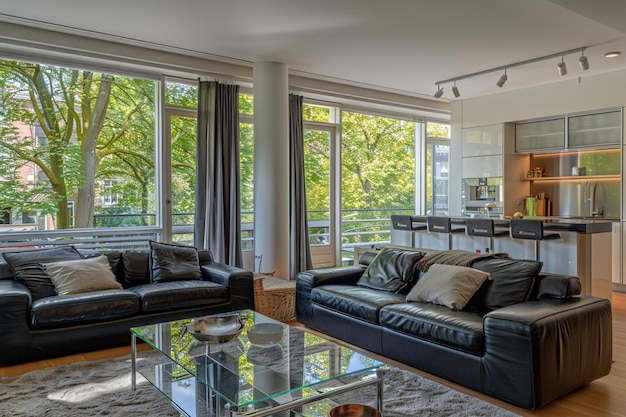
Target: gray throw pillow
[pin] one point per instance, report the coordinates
(392, 270)
(27, 269)
(173, 262)
(82, 275)
(448, 285)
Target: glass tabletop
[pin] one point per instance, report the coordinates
(294, 364)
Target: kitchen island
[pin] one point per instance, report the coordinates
(584, 248)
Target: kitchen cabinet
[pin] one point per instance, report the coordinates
(542, 135)
(482, 140)
(594, 130)
(482, 166)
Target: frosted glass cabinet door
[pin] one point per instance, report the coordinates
(482, 166)
(540, 135)
(482, 140)
(595, 129)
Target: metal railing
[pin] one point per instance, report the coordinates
(368, 228)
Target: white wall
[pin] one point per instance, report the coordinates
(569, 96)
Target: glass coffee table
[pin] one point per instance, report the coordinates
(297, 373)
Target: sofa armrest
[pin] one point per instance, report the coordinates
(15, 302)
(238, 280)
(307, 280)
(541, 349)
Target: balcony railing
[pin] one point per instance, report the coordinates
(367, 228)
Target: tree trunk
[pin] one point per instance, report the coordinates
(85, 195)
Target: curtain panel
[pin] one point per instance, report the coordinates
(218, 205)
(300, 251)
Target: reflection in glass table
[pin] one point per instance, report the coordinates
(296, 371)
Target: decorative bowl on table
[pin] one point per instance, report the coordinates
(265, 334)
(216, 329)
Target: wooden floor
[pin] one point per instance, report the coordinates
(605, 397)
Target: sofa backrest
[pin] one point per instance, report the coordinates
(512, 281)
(130, 267)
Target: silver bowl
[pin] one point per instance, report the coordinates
(216, 329)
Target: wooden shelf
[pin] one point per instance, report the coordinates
(574, 178)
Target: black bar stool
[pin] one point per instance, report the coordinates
(437, 224)
(405, 222)
(485, 228)
(531, 230)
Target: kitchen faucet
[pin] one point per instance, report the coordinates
(590, 191)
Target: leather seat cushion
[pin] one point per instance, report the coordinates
(461, 330)
(359, 302)
(174, 295)
(84, 308)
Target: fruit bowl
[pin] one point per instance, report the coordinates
(216, 329)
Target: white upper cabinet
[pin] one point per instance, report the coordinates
(482, 166)
(483, 140)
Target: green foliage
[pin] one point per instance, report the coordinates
(377, 162)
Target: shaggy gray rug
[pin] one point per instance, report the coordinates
(103, 388)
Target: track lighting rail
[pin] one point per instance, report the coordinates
(583, 62)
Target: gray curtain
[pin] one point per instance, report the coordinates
(218, 207)
(300, 251)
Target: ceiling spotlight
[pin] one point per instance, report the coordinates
(612, 54)
(439, 92)
(502, 79)
(561, 67)
(584, 62)
(455, 90)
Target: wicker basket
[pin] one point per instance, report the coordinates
(275, 298)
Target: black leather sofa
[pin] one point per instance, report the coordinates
(37, 323)
(524, 337)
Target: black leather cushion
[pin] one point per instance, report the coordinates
(77, 309)
(392, 270)
(27, 268)
(175, 295)
(359, 302)
(173, 262)
(135, 268)
(558, 286)
(511, 282)
(459, 330)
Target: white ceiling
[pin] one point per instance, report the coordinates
(398, 45)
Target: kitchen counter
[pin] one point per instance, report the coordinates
(565, 224)
(584, 249)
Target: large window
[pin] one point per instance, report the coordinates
(76, 140)
(378, 176)
(437, 159)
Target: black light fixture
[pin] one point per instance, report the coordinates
(439, 92)
(561, 67)
(583, 62)
(455, 91)
(502, 79)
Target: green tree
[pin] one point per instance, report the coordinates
(84, 118)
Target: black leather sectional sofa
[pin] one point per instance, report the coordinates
(168, 283)
(524, 337)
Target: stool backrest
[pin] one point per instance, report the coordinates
(526, 229)
(438, 224)
(479, 227)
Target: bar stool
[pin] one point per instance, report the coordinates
(484, 228)
(405, 222)
(531, 230)
(439, 224)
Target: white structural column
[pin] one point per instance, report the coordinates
(271, 167)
